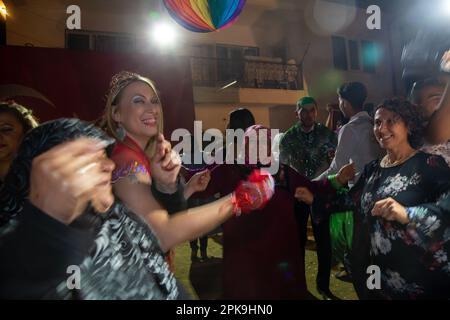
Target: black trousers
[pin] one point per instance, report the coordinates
(203, 244)
(323, 243)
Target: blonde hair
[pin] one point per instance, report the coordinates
(118, 83)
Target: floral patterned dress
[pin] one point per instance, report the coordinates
(414, 259)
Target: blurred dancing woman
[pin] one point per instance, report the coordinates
(61, 187)
(262, 258)
(438, 130)
(427, 94)
(401, 211)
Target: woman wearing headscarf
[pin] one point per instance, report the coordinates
(67, 218)
(262, 258)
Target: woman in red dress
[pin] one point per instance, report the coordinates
(261, 253)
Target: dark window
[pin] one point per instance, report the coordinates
(354, 54)
(339, 53)
(223, 64)
(222, 52)
(251, 52)
(235, 52)
(124, 44)
(204, 51)
(78, 41)
(369, 56)
(230, 61)
(105, 44)
(281, 52)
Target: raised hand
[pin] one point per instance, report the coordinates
(65, 178)
(303, 194)
(346, 174)
(165, 166)
(390, 210)
(254, 193)
(198, 183)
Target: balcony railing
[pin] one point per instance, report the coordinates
(250, 72)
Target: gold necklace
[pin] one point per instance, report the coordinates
(386, 163)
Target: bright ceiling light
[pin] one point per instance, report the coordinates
(3, 11)
(164, 34)
(445, 7)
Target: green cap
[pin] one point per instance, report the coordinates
(306, 100)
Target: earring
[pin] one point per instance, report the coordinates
(120, 132)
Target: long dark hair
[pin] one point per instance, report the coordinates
(21, 113)
(241, 118)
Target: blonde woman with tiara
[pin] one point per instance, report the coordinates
(134, 117)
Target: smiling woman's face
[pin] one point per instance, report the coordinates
(11, 134)
(138, 111)
(390, 130)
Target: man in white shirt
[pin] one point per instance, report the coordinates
(356, 141)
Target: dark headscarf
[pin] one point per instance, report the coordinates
(16, 186)
(125, 261)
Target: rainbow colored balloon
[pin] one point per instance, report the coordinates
(204, 15)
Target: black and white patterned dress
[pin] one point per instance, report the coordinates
(125, 263)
